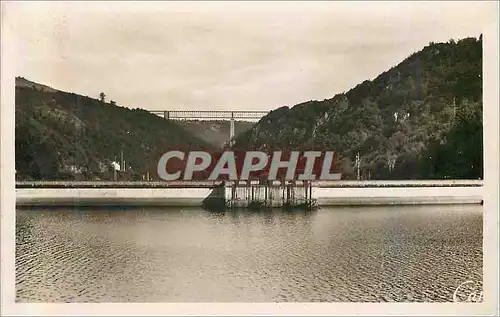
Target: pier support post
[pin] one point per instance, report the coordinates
(166, 114)
(265, 193)
(231, 130)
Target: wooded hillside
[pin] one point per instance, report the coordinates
(420, 119)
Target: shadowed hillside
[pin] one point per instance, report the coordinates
(62, 135)
(215, 132)
(420, 119)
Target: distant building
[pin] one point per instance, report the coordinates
(116, 166)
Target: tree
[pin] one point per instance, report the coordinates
(102, 97)
(461, 157)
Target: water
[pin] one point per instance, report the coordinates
(191, 255)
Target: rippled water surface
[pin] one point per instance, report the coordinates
(191, 255)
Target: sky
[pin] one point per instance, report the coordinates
(226, 55)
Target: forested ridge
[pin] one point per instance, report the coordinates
(421, 119)
(60, 135)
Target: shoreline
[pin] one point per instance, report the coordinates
(196, 197)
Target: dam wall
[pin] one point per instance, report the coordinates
(187, 197)
(397, 196)
(350, 194)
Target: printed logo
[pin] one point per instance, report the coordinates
(468, 292)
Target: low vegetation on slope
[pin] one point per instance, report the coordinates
(215, 132)
(420, 119)
(62, 135)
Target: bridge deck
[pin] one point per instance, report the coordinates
(210, 114)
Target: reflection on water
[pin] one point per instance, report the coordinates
(191, 255)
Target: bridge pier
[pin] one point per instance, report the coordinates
(231, 130)
(166, 114)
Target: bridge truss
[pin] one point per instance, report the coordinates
(212, 115)
(209, 114)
